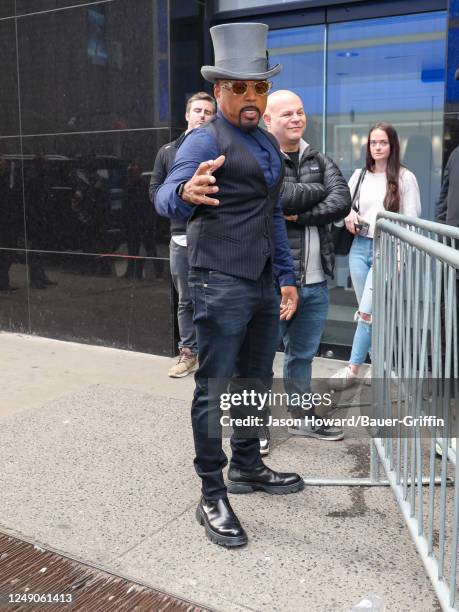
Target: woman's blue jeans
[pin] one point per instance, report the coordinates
(361, 268)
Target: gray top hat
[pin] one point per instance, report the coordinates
(240, 53)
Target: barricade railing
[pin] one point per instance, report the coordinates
(415, 364)
(449, 236)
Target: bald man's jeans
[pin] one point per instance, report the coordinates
(237, 329)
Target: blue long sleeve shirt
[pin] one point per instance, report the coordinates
(200, 145)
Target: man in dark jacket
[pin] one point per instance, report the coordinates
(199, 109)
(448, 202)
(314, 194)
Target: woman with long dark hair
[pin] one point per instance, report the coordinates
(384, 184)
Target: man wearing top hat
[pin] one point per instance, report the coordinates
(226, 181)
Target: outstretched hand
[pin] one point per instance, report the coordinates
(202, 184)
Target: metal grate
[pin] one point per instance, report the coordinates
(28, 573)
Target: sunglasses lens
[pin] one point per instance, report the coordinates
(262, 87)
(239, 87)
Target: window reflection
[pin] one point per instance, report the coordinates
(392, 69)
(91, 204)
(232, 5)
(301, 53)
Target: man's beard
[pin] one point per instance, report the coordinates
(247, 127)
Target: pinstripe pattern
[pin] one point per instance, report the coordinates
(236, 237)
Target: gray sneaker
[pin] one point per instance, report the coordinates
(323, 432)
(343, 379)
(264, 441)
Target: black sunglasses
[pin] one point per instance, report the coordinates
(239, 88)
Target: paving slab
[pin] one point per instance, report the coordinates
(96, 459)
(95, 472)
(38, 369)
(301, 556)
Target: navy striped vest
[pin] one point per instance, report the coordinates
(236, 237)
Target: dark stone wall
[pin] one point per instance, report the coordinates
(89, 92)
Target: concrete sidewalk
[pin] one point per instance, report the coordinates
(96, 454)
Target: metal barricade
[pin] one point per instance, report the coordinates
(448, 236)
(415, 352)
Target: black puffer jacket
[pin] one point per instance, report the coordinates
(448, 202)
(319, 195)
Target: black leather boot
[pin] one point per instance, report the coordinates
(220, 523)
(262, 478)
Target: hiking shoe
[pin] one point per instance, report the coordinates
(187, 363)
(342, 379)
(323, 432)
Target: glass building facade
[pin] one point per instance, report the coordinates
(90, 91)
(352, 75)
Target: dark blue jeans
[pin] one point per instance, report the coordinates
(301, 336)
(237, 329)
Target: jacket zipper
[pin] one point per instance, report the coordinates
(302, 270)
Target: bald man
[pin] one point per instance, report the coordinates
(314, 194)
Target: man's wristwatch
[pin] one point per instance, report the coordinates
(180, 189)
